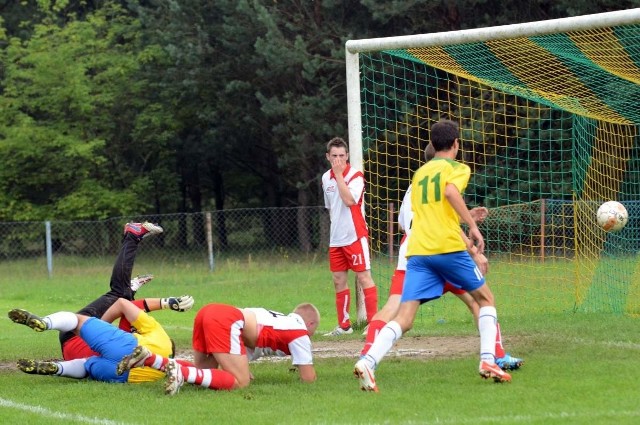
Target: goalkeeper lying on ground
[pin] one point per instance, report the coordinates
(122, 286)
(109, 341)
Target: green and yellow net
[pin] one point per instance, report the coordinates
(550, 128)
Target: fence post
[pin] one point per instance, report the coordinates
(210, 240)
(390, 230)
(543, 219)
(47, 227)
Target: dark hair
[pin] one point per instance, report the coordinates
(443, 133)
(337, 142)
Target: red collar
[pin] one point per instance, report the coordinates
(344, 174)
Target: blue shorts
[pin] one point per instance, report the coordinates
(112, 343)
(427, 274)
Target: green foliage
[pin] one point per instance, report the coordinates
(56, 137)
(185, 106)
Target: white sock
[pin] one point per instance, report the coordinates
(387, 337)
(72, 368)
(62, 321)
(487, 319)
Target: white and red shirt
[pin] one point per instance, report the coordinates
(281, 335)
(347, 223)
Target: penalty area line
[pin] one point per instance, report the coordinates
(524, 419)
(42, 411)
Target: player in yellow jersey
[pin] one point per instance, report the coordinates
(111, 342)
(93, 347)
(437, 253)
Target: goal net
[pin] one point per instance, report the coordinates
(550, 119)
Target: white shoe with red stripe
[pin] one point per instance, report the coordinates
(365, 375)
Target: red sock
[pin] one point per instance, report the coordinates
(156, 361)
(215, 379)
(372, 333)
(370, 301)
(499, 348)
(184, 362)
(343, 305)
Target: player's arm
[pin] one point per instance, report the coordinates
(457, 203)
(307, 372)
(338, 165)
(345, 192)
(478, 257)
(302, 358)
(121, 308)
(182, 303)
(479, 214)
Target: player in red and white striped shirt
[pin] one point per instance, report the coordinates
(343, 188)
(227, 338)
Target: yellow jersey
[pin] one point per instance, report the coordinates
(436, 225)
(153, 336)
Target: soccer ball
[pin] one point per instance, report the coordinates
(612, 216)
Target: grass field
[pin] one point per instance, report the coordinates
(580, 368)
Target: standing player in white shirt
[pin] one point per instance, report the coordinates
(343, 189)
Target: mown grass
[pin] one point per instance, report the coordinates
(580, 368)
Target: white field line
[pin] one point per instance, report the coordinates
(615, 344)
(41, 411)
(180, 328)
(521, 419)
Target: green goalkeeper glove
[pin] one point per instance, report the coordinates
(183, 303)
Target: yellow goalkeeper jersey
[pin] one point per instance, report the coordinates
(436, 225)
(153, 336)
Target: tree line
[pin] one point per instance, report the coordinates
(113, 108)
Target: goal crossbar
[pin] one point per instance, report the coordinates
(527, 29)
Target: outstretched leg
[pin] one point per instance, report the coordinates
(70, 369)
(121, 273)
(120, 283)
(178, 372)
(23, 317)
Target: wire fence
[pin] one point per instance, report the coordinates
(210, 236)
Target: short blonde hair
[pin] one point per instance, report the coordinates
(310, 314)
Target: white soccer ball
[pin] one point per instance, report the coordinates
(612, 216)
